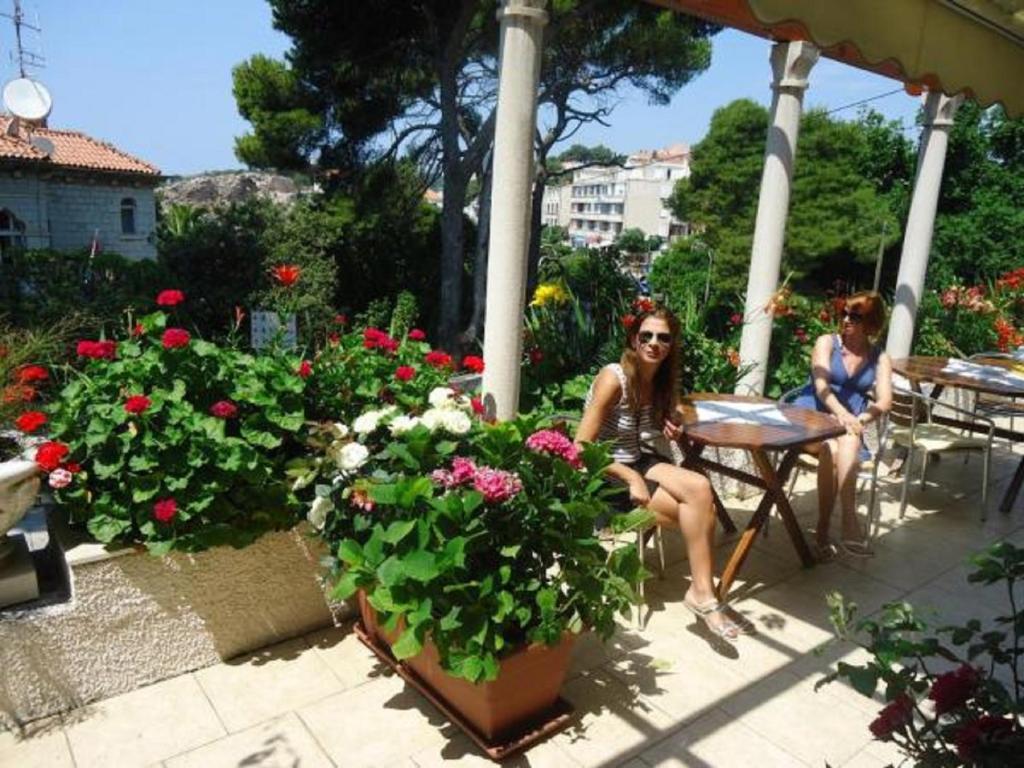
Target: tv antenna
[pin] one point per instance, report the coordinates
(26, 58)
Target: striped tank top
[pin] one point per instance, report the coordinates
(621, 427)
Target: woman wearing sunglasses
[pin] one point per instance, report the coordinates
(629, 404)
(845, 368)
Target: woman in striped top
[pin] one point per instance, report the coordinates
(630, 403)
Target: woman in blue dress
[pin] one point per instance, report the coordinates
(847, 369)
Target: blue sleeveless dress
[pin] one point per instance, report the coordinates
(852, 391)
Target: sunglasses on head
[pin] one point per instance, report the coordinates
(853, 317)
(646, 337)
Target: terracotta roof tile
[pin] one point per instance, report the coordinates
(71, 149)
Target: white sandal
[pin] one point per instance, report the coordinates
(727, 630)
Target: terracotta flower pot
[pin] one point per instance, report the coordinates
(527, 687)
(373, 628)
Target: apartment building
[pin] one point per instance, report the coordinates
(602, 201)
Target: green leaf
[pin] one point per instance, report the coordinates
(384, 494)
(398, 530)
(346, 586)
(145, 488)
(511, 550)
(420, 566)
(391, 572)
(863, 679)
(350, 553)
(409, 644)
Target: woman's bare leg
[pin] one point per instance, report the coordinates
(847, 461)
(826, 490)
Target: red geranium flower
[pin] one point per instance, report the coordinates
(736, 319)
(536, 355)
(175, 338)
(473, 363)
(97, 350)
(953, 689)
(333, 339)
(341, 319)
(30, 421)
(286, 274)
(224, 409)
(138, 330)
(417, 335)
(627, 321)
(438, 359)
(478, 406)
(50, 455)
(137, 404)
(893, 717)
(165, 510)
(405, 372)
(643, 304)
(169, 298)
(73, 467)
(31, 373)
(801, 335)
(305, 369)
(18, 393)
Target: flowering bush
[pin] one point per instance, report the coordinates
(968, 714)
(180, 442)
(480, 536)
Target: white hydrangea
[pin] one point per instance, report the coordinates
(402, 424)
(433, 419)
(456, 422)
(317, 515)
(351, 456)
(337, 430)
(367, 422)
(442, 397)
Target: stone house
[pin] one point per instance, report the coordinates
(63, 190)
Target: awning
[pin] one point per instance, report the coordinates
(974, 46)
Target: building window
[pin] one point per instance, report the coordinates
(12, 235)
(128, 216)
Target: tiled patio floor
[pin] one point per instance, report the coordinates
(663, 696)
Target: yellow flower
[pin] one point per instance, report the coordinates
(548, 293)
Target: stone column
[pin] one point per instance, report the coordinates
(791, 64)
(939, 111)
(522, 26)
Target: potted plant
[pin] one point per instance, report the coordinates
(474, 546)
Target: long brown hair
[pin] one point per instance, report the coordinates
(666, 379)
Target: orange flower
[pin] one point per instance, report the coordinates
(286, 274)
(733, 357)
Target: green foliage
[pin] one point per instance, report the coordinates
(225, 474)
(22, 351)
(681, 271)
(973, 713)
(40, 288)
(477, 573)
(632, 240)
(599, 154)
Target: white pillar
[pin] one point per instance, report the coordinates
(522, 26)
(791, 64)
(939, 111)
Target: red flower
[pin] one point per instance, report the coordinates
(137, 404)
(224, 409)
(736, 319)
(953, 689)
(893, 717)
(473, 363)
(18, 393)
(823, 316)
(536, 355)
(438, 359)
(417, 335)
(138, 330)
(374, 338)
(97, 350)
(165, 510)
(801, 335)
(643, 304)
(175, 338)
(286, 274)
(30, 421)
(30, 373)
(478, 406)
(627, 321)
(305, 369)
(405, 372)
(169, 298)
(985, 729)
(50, 455)
(73, 467)
(733, 357)
(341, 319)
(333, 339)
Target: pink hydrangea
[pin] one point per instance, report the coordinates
(496, 485)
(554, 443)
(463, 470)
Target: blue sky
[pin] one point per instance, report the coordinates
(154, 78)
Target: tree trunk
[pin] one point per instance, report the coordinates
(451, 260)
(476, 323)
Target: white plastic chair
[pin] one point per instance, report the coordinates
(996, 406)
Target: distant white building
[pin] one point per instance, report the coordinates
(602, 201)
(62, 189)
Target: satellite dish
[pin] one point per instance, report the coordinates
(43, 145)
(27, 100)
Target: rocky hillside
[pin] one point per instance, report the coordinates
(215, 189)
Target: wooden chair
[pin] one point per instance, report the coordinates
(913, 428)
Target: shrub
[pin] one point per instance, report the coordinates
(181, 443)
(949, 703)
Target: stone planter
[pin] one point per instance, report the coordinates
(135, 619)
(19, 486)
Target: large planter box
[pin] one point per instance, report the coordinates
(135, 619)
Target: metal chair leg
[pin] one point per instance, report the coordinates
(924, 467)
(907, 466)
(660, 541)
(985, 459)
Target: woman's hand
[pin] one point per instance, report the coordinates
(638, 492)
(672, 431)
(853, 425)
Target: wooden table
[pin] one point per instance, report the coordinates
(803, 427)
(930, 369)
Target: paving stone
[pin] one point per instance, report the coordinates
(282, 742)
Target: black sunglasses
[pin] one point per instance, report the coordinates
(853, 317)
(646, 337)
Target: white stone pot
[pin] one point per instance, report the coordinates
(19, 486)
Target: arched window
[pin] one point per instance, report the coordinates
(12, 234)
(128, 216)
